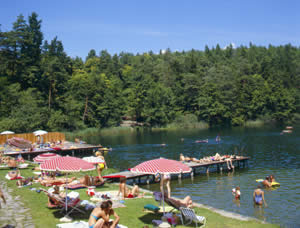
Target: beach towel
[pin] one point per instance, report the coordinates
(15, 178)
(81, 224)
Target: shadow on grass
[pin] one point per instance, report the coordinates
(147, 218)
(75, 214)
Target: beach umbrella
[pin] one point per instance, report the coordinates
(67, 164)
(162, 166)
(93, 160)
(40, 132)
(45, 157)
(7, 133)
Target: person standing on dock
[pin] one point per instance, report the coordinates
(2, 197)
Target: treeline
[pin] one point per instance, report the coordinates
(42, 87)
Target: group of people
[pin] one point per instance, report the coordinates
(216, 157)
(258, 194)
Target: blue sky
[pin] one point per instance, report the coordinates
(139, 26)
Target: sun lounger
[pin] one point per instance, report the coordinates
(72, 204)
(189, 215)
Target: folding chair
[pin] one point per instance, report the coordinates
(189, 215)
(71, 203)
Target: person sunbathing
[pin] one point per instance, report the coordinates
(127, 193)
(99, 217)
(88, 181)
(48, 181)
(14, 174)
(187, 159)
(186, 202)
(60, 196)
(22, 182)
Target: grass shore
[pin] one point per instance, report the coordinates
(131, 216)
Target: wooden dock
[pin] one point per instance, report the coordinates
(196, 169)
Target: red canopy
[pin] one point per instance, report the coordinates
(162, 166)
(45, 157)
(67, 164)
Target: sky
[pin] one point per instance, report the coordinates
(139, 26)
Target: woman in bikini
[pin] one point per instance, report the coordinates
(99, 217)
(127, 193)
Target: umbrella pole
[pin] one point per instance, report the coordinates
(162, 189)
(66, 193)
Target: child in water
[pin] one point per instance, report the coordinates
(237, 193)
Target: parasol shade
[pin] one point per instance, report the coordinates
(67, 164)
(40, 132)
(93, 160)
(162, 166)
(45, 157)
(7, 133)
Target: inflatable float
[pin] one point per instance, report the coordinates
(274, 183)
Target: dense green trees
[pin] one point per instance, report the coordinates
(42, 87)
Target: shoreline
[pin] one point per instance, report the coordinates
(221, 212)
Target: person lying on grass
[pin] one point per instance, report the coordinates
(99, 217)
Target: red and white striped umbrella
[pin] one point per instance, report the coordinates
(93, 160)
(67, 164)
(162, 166)
(45, 157)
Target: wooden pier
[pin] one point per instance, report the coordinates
(241, 162)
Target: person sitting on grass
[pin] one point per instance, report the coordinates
(11, 163)
(99, 217)
(127, 193)
(14, 174)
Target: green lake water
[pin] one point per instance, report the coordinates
(270, 152)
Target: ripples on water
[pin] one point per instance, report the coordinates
(270, 152)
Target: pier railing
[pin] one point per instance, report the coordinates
(49, 137)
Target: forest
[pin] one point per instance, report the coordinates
(41, 87)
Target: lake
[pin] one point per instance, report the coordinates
(270, 152)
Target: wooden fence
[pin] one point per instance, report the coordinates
(49, 137)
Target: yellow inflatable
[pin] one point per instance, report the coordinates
(274, 183)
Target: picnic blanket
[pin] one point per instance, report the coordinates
(15, 178)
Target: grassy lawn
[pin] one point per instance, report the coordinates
(132, 215)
